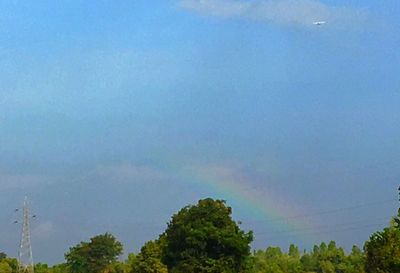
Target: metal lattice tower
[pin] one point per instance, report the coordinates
(25, 259)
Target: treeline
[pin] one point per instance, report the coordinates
(203, 238)
(323, 258)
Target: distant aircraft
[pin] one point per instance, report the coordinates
(319, 23)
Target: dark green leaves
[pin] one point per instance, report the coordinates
(204, 238)
(94, 256)
(149, 259)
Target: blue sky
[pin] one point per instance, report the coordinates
(104, 104)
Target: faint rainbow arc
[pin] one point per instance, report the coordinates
(263, 206)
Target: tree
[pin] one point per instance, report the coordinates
(118, 267)
(273, 260)
(13, 263)
(60, 268)
(204, 238)
(5, 267)
(2, 256)
(355, 261)
(308, 262)
(131, 261)
(294, 251)
(149, 259)
(383, 251)
(41, 268)
(95, 256)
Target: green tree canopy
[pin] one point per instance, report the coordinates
(383, 251)
(12, 262)
(94, 256)
(355, 262)
(41, 268)
(149, 259)
(5, 267)
(204, 238)
(59, 268)
(273, 260)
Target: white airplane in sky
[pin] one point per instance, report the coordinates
(319, 23)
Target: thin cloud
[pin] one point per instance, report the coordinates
(282, 12)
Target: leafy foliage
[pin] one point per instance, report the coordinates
(383, 251)
(41, 268)
(204, 238)
(323, 259)
(8, 265)
(5, 267)
(60, 268)
(149, 259)
(94, 256)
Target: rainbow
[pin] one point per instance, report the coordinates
(263, 206)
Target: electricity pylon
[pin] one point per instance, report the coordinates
(25, 258)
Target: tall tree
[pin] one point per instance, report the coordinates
(95, 256)
(204, 238)
(383, 251)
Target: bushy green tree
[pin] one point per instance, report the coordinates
(131, 261)
(308, 262)
(324, 258)
(274, 260)
(204, 239)
(118, 267)
(383, 251)
(42, 268)
(355, 261)
(268, 261)
(5, 267)
(95, 256)
(59, 268)
(294, 252)
(13, 263)
(149, 259)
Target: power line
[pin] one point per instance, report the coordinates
(329, 211)
(152, 224)
(345, 224)
(329, 226)
(339, 230)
